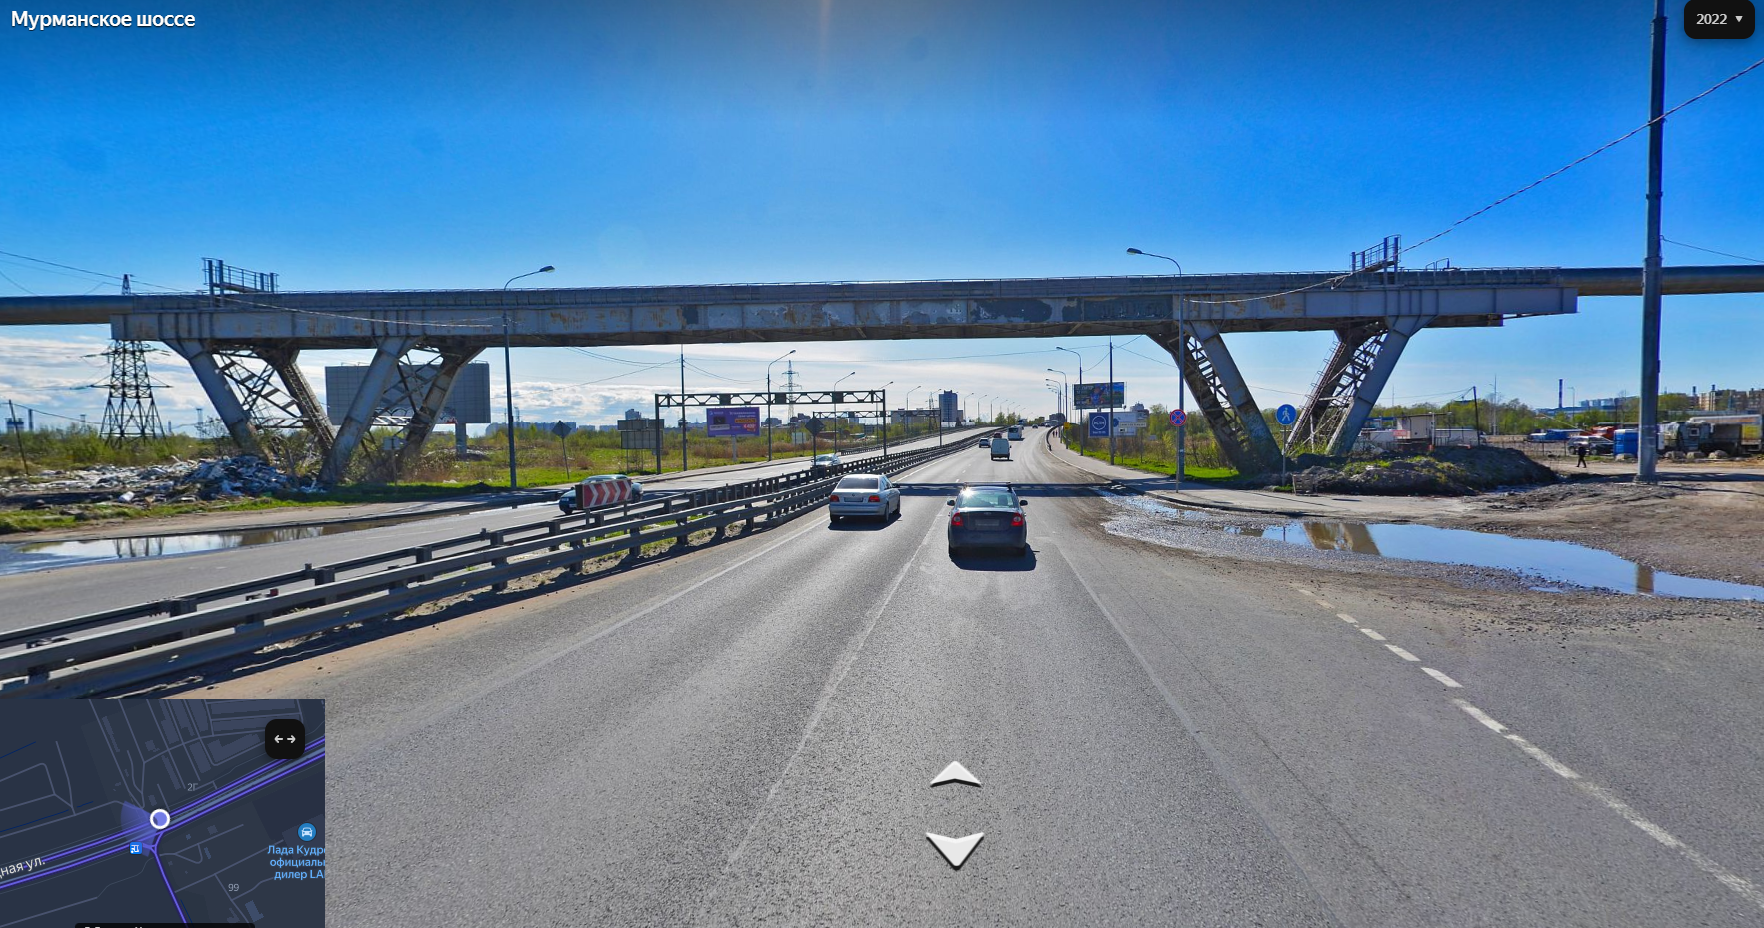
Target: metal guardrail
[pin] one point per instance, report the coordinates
(105, 650)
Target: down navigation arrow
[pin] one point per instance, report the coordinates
(955, 850)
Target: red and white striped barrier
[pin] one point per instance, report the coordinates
(602, 493)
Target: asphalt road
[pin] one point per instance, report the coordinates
(747, 733)
(35, 597)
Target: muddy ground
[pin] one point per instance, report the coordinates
(1700, 524)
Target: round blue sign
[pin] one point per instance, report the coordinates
(1286, 415)
(1177, 417)
(307, 832)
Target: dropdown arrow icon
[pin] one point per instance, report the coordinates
(955, 850)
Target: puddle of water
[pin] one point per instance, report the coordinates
(1553, 561)
(21, 558)
(1550, 562)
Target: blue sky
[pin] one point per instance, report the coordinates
(355, 146)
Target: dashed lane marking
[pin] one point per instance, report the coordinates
(1745, 888)
(1399, 652)
(1369, 633)
(1448, 681)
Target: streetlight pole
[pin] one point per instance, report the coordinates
(769, 401)
(909, 410)
(885, 418)
(1072, 405)
(1181, 374)
(1647, 448)
(1060, 407)
(508, 374)
(836, 384)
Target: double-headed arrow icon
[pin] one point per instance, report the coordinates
(955, 850)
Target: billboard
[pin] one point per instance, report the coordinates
(732, 421)
(1098, 395)
(468, 401)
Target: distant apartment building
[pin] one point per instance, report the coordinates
(1740, 401)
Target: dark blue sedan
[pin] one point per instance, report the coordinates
(988, 516)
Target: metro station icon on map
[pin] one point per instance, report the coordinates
(135, 848)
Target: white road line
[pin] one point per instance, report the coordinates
(1556, 767)
(1399, 652)
(1369, 633)
(1345, 617)
(1480, 716)
(1728, 878)
(1324, 604)
(1746, 888)
(1448, 681)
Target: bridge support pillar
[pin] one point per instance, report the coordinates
(426, 409)
(306, 404)
(1368, 371)
(201, 356)
(1323, 409)
(1223, 396)
(356, 422)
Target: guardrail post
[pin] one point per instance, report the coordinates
(180, 606)
(501, 585)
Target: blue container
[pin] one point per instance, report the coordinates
(1623, 441)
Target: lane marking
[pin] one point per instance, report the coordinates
(1480, 716)
(1399, 652)
(1324, 604)
(1369, 633)
(853, 649)
(1745, 888)
(1448, 681)
(1345, 617)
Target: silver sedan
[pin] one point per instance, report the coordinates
(870, 495)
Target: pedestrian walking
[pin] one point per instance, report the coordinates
(1580, 455)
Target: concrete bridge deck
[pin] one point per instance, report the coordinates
(243, 347)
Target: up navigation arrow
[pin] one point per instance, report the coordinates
(955, 850)
(955, 773)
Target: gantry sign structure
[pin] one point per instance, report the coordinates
(243, 345)
(877, 399)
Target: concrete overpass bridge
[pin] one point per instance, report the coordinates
(243, 346)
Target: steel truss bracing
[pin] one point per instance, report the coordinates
(1223, 396)
(267, 404)
(1350, 384)
(130, 414)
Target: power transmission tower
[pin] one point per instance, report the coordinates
(130, 415)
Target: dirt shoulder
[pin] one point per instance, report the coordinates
(1700, 525)
(196, 523)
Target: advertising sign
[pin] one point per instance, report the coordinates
(1099, 425)
(1098, 395)
(732, 421)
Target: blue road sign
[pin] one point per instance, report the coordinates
(307, 832)
(1286, 415)
(1099, 425)
(1177, 417)
(135, 848)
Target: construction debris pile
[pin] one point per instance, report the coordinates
(177, 482)
(1443, 472)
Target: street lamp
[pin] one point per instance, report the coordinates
(508, 373)
(966, 406)
(1064, 389)
(1181, 374)
(836, 384)
(909, 410)
(885, 417)
(769, 401)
